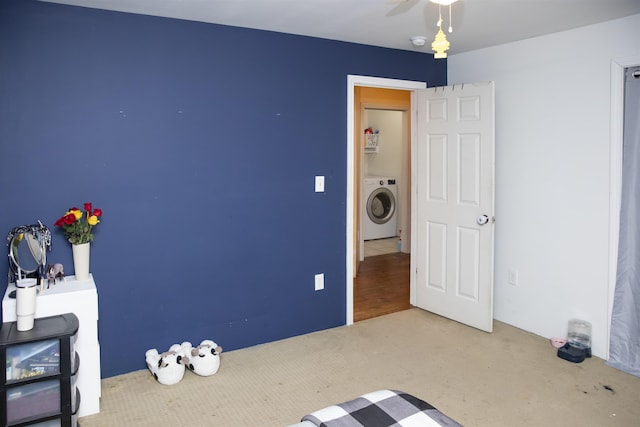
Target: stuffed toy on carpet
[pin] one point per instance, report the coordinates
(204, 359)
(167, 367)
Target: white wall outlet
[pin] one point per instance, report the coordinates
(513, 276)
(319, 282)
(319, 183)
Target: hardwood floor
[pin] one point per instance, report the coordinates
(381, 286)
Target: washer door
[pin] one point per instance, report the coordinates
(381, 205)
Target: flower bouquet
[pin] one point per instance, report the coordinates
(78, 225)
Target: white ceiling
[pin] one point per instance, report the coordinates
(387, 23)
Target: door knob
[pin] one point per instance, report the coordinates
(482, 220)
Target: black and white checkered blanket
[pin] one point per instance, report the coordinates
(383, 408)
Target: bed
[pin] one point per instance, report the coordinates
(382, 408)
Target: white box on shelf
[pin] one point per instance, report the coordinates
(80, 298)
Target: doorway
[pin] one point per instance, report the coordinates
(382, 281)
(474, 165)
(355, 170)
(383, 202)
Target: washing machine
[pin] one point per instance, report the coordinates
(380, 216)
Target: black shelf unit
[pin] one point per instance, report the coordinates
(38, 386)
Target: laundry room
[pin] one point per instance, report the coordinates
(383, 171)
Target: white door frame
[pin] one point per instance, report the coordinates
(352, 82)
(615, 179)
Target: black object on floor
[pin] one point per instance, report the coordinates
(573, 354)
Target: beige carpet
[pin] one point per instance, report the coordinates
(507, 378)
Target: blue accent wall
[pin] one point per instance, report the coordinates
(200, 143)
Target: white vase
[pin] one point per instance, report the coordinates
(81, 256)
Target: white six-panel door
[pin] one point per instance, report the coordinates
(453, 256)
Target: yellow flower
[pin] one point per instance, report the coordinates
(77, 213)
(77, 226)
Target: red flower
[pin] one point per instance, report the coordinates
(78, 224)
(69, 219)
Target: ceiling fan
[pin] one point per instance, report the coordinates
(440, 44)
(403, 6)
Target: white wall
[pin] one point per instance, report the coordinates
(553, 106)
(388, 160)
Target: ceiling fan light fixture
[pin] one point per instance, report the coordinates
(418, 41)
(443, 2)
(440, 44)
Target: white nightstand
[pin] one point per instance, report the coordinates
(81, 299)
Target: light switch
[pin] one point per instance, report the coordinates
(319, 184)
(319, 282)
